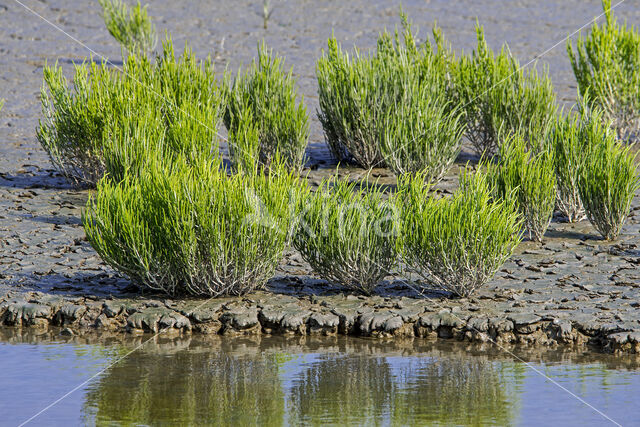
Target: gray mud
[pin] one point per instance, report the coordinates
(573, 288)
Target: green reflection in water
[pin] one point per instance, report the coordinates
(218, 384)
(190, 388)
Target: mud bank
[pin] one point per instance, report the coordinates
(504, 320)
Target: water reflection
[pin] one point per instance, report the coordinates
(276, 381)
(257, 383)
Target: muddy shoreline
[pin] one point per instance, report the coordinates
(572, 290)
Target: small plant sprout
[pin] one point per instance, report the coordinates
(500, 99)
(190, 229)
(391, 107)
(457, 243)
(266, 13)
(606, 64)
(348, 234)
(131, 27)
(607, 183)
(268, 95)
(530, 179)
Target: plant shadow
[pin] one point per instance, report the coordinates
(43, 179)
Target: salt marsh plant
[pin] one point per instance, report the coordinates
(348, 234)
(131, 27)
(457, 243)
(606, 64)
(96, 126)
(395, 100)
(570, 139)
(269, 95)
(188, 228)
(528, 177)
(607, 183)
(500, 99)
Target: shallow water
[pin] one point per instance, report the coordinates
(279, 381)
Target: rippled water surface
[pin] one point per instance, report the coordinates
(278, 381)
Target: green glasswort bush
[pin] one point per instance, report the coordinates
(457, 242)
(97, 125)
(570, 139)
(395, 101)
(530, 179)
(269, 95)
(188, 228)
(606, 64)
(131, 27)
(348, 234)
(607, 183)
(499, 99)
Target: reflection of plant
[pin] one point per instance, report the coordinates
(606, 64)
(191, 229)
(132, 28)
(110, 120)
(460, 241)
(267, 96)
(348, 235)
(530, 179)
(189, 387)
(499, 99)
(397, 97)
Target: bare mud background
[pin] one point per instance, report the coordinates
(42, 246)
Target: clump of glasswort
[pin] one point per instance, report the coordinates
(606, 64)
(607, 181)
(188, 228)
(267, 96)
(391, 107)
(347, 232)
(131, 27)
(500, 99)
(529, 179)
(569, 139)
(459, 242)
(109, 120)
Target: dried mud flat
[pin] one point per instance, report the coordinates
(573, 289)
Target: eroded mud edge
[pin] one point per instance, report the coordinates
(272, 314)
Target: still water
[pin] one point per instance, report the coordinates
(277, 381)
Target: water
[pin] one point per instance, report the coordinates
(301, 381)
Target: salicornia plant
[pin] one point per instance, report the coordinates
(567, 139)
(457, 243)
(393, 105)
(530, 179)
(109, 120)
(188, 228)
(607, 183)
(131, 27)
(606, 64)
(499, 99)
(348, 234)
(269, 96)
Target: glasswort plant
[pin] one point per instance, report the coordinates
(607, 183)
(393, 102)
(459, 242)
(499, 99)
(606, 64)
(268, 95)
(347, 233)
(131, 27)
(109, 120)
(188, 228)
(530, 179)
